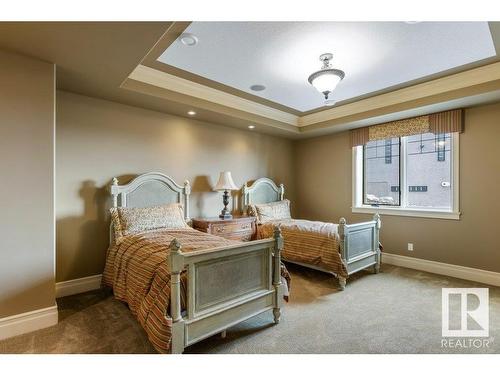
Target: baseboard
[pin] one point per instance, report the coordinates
(460, 272)
(85, 284)
(27, 322)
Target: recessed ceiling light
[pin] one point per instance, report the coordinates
(257, 87)
(188, 39)
(251, 126)
(191, 113)
(412, 22)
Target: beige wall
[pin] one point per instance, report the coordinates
(323, 185)
(27, 174)
(97, 140)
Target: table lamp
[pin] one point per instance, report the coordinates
(225, 184)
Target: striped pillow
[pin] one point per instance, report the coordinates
(273, 211)
(128, 221)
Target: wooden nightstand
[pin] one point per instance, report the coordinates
(238, 228)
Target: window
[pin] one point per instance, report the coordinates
(411, 176)
(381, 172)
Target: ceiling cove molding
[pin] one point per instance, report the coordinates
(459, 81)
(170, 82)
(463, 84)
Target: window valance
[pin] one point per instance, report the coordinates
(437, 123)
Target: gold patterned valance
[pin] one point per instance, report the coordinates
(400, 128)
(442, 122)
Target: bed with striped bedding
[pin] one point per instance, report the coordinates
(340, 249)
(137, 270)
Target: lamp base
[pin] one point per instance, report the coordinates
(225, 213)
(225, 216)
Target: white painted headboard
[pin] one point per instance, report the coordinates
(263, 190)
(150, 189)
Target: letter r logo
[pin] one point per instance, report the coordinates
(473, 309)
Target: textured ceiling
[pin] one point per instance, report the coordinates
(281, 55)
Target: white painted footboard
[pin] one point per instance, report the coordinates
(359, 245)
(225, 286)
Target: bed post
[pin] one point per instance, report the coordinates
(187, 191)
(114, 193)
(343, 250)
(176, 264)
(244, 209)
(376, 240)
(114, 182)
(278, 297)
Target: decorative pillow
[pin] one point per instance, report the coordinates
(134, 220)
(273, 211)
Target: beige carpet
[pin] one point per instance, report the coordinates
(396, 311)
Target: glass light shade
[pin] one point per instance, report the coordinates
(326, 82)
(225, 182)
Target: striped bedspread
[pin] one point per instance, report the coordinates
(309, 242)
(137, 270)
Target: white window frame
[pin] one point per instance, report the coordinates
(357, 188)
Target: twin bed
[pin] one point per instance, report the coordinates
(337, 249)
(184, 285)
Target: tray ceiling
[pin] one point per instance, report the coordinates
(280, 55)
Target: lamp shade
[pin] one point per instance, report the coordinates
(225, 182)
(326, 81)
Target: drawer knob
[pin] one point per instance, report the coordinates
(219, 229)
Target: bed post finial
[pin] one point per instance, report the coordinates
(187, 187)
(176, 264)
(114, 181)
(376, 218)
(342, 224)
(282, 192)
(175, 246)
(278, 246)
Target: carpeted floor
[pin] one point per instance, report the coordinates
(396, 311)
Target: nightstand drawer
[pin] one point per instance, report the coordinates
(238, 228)
(221, 228)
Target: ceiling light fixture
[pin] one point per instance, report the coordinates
(191, 113)
(188, 39)
(251, 126)
(326, 79)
